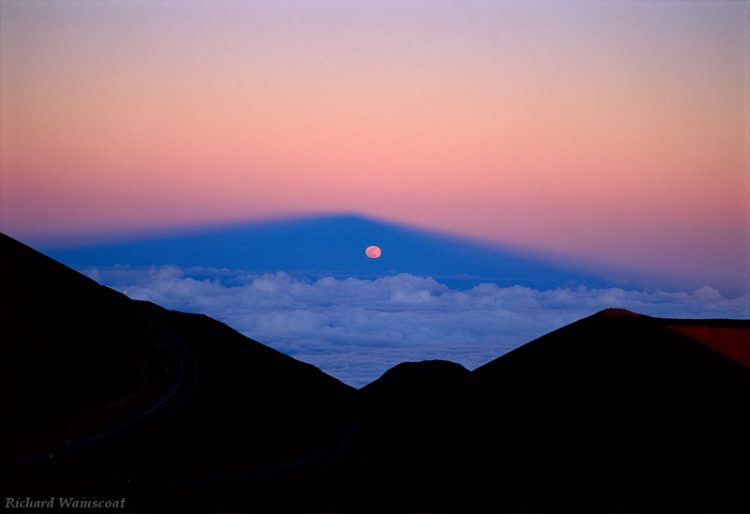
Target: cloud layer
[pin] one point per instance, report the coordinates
(356, 329)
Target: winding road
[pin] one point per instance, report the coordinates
(186, 379)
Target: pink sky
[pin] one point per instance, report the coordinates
(609, 131)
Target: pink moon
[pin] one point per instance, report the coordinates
(373, 252)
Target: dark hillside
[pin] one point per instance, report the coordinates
(106, 396)
(110, 394)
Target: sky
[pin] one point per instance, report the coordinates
(612, 132)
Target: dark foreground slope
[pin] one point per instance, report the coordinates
(624, 407)
(614, 412)
(105, 397)
(110, 396)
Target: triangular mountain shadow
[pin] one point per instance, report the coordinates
(111, 397)
(334, 245)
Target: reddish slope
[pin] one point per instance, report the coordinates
(730, 341)
(730, 338)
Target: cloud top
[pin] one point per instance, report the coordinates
(356, 329)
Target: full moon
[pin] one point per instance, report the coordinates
(373, 252)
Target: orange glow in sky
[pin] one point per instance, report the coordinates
(614, 132)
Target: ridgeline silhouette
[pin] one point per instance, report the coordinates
(104, 396)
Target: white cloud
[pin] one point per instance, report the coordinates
(356, 329)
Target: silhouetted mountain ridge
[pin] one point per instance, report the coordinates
(108, 392)
(110, 396)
